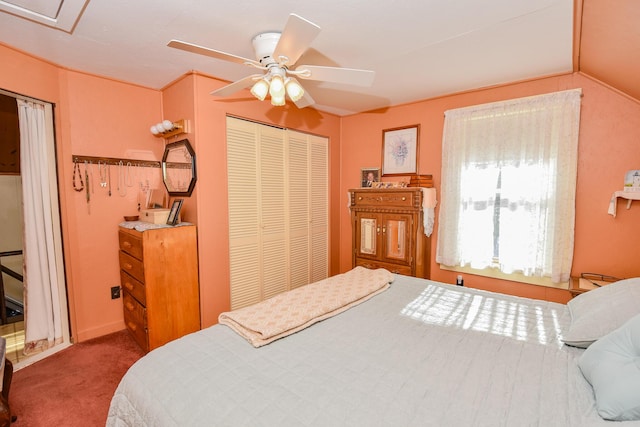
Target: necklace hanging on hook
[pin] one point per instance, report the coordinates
(122, 187)
(102, 168)
(89, 184)
(78, 174)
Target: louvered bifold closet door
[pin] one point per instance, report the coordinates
(244, 245)
(271, 184)
(298, 182)
(278, 216)
(319, 209)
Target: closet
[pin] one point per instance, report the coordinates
(278, 210)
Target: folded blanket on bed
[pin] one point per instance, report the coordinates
(297, 309)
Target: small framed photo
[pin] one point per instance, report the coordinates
(174, 214)
(400, 150)
(369, 177)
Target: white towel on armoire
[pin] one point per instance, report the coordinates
(429, 203)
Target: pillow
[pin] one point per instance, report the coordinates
(612, 367)
(596, 313)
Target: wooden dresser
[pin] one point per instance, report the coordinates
(388, 231)
(159, 278)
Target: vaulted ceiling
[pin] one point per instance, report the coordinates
(418, 49)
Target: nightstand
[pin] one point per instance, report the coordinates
(588, 282)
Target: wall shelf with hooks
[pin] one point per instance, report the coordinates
(116, 161)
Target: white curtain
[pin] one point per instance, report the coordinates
(43, 312)
(508, 185)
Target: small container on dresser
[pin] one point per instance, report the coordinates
(159, 278)
(388, 230)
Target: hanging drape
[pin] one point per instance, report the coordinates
(43, 313)
(508, 185)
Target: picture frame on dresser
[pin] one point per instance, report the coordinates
(369, 177)
(400, 150)
(174, 213)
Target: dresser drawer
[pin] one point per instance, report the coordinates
(130, 243)
(135, 318)
(134, 287)
(132, 265)
(386, 199)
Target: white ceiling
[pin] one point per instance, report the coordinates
(418, 49)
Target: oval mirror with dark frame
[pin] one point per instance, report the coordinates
(179, 168)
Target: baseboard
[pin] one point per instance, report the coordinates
(100, 331)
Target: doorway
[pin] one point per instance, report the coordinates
(12, 247)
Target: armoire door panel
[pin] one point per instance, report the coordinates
(396, 233)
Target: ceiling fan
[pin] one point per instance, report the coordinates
(276, 53)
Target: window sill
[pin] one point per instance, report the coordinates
(494, 273)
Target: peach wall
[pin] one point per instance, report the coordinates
(28, 76)
(102, 118)
(189, 98)
(607, 149)
(177, 104)
(94, 117)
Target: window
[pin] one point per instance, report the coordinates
(508, 186)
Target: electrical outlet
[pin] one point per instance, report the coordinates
(115, 292)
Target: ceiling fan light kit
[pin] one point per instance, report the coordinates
(276, 88)
(294, 90)
(260, 89)
(276, 53)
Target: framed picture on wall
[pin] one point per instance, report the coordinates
(369, 176)
(400, 150)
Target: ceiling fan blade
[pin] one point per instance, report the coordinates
(349, 76)
(236, 86)
(296, 37)
(201, 50)
(305, 101)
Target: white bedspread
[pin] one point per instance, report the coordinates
(419, 354)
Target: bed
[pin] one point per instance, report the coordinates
(420, 353)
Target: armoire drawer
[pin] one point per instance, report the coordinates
(385, 199)
(132, 265)
(394, 268)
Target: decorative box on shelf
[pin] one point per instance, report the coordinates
(421, 181)
(632, 181)
(155, 216)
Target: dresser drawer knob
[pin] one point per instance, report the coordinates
(128, 266)
(132, 326)
(404, 198)
(126, 244)
(128, 286)
(129, 306)
(360, 198)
